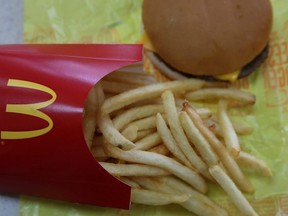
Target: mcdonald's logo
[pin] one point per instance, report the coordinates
(29, 109)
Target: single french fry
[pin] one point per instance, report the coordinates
(106, 126)
(133, 169)
(148, 142)
(231, 189)
(242, 97)
(150, 91)
(229, 134)
(136, 113)
(148, 197)
(227, 160)
(178, 133)
(130, 132)
(242, 129)
(154, 159)
(145, 123)
(251, 162)
(199, 141)
(169, 140)
(89, 120)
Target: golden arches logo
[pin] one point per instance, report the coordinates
(29, 109)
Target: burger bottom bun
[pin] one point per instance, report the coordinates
(175, 74)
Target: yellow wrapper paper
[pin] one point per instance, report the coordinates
(119, 21)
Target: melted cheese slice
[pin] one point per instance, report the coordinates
(147, 44)
(231, 77)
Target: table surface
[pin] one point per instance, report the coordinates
(11, 32)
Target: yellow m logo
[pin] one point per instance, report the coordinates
(29, 109)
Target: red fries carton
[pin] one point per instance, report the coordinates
(42, 94)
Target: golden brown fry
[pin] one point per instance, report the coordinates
(154, 159)
(199, 141)
(251, 162)
(169, 140)
(242, 129)
(231, 189)
(148, 142)
(148, 197)
(178, 133)
(136, 113)
(145, 123)
(242, 97)
(229, 134)
(227, 160)
(148, 92)
(133, 169)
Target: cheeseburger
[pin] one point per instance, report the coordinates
(214, 40)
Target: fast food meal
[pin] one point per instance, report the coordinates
(170, 140)
(160, 139)
(218, 40)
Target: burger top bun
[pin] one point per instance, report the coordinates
(206, 37)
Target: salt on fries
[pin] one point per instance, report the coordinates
(154, 138)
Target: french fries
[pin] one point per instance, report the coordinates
(229, 133)
(161, 161)
(136, 113)
(198, 140)
(169, 140)
(197, 203)
(251, 162)
(178, 133)
(151, 137)
(227, 160)
(243, 98)
(231, 189)
(146, 92)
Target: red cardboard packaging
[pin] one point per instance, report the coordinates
(42, 149)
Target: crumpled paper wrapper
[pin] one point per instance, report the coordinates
(119, 21)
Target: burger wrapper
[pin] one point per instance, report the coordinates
(268, 116)
(42, 151)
